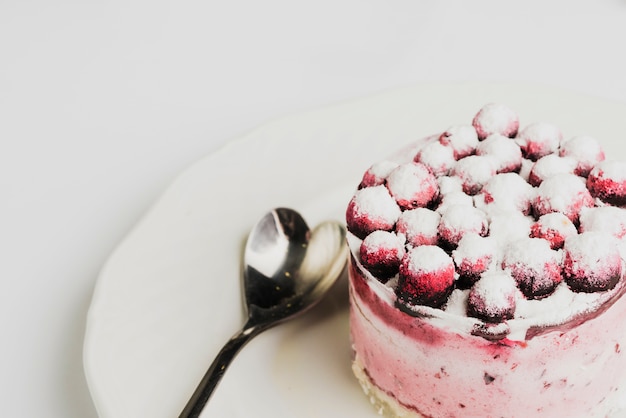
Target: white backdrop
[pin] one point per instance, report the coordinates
(102, 103)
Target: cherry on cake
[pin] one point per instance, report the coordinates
(487, 274)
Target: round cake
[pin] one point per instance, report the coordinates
(487, 274)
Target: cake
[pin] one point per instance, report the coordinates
(487, 273)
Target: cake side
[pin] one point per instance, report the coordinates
(487, 273)
(418, 368)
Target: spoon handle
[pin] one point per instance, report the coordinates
(212, 377)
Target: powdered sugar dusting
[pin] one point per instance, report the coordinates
(474, 171)
(607, 219)
(586, 150)
(513, 206)
(504, 150)
(412, 185)
(419, 226)
(549, 166)
(437, 157)
(495, 118)
(539, 139)
(461, 138)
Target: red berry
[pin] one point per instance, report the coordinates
(607, 182)
(564, 193)
(473, 256)
(419, 226)
(412, 185)
(554, 228)
(503, 150)
(437, 157)
(426, 276)
(505, 192)
(474, 171)
(539, 139)
(377, 173)
(492, 298)
(461, 138)
(370, 209)
(550, 165)
(609, 219)
(592, 262)
(534, 265)
(585, 150)
(459, 220)
(381, 253)
(495, 118)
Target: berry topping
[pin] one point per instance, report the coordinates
(492, 298)
(474, 171)
(604, 219)
(549, 166)
(495, 118)
(534, 265)
(539, 139)
(370, 209)
(478, 219)
(459, 220)
(437, 157)
(506, 192)
(553, 227)
(473, 256)
(426, 276)
(504, 150)
(377, 173)
(381, 253)
(453, 199)
(607, 182)
(565, 193)
(419, 226)
(461, 138)
(586, 150)
(412, 185)
(509, 226)
(592, 262)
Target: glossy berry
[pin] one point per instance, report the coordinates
(412, 185)
(607, 182)
(461, 138)
(549, 166)
(426, 276)
(564, 193)
(377, 173)
(506, 192)
(554, 228)
(609, 219)
(495, 118)
(419, 226)
(538, 140)
(474, 171)
(371, 208)
(585, 150)
(473, 256)
(592, 262)
(459, 220)
(505, 152)
(492, 298)
(534, 265)
(437, 157)
(381, 253)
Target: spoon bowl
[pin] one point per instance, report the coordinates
(287, 269)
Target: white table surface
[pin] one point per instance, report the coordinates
(102, 103)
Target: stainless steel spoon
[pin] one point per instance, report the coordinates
(287, 270)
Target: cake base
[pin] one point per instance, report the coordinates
(385, 405)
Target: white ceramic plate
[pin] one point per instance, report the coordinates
(169, 296)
